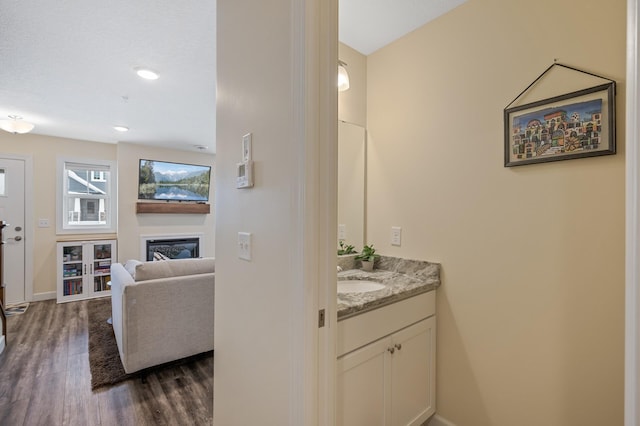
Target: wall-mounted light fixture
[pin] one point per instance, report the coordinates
(16, 125)
(343, 76)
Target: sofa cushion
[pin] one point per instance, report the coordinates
(130, 266)
(174, 268)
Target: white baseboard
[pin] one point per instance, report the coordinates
(2, 344)
(437, 420)
(39, 297)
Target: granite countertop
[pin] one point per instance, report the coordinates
(402, 278)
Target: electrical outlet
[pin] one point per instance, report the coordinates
(342, 232)
(244, 245)
(396, 236)
(43, 223)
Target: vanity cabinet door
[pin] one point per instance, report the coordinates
(413, 373)
(363, 391)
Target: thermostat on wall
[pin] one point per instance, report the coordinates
(244, 177)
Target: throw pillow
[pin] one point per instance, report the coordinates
(130, 267)
(175, 268)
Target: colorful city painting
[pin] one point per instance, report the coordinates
(551, 130)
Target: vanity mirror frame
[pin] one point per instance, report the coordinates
(352, 168)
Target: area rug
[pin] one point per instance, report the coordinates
(104, 358)
(16, 309)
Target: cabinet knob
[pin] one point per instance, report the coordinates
(391, 349)
(398, 346)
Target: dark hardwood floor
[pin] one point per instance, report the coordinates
(45, 378)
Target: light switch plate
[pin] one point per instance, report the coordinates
(246, 147)
(396, 236)
(244, 245)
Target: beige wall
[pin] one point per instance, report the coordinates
(352, 103)
(530, 314)
(352, 109)
(44, 151)
(132, 226)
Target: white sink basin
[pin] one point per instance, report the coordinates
(358, 286)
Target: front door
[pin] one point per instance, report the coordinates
(12, 211)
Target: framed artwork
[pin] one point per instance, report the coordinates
(574, 125)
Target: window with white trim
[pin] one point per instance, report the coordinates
(98, 176)
(87, 197)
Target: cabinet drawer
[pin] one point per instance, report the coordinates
(360, 330)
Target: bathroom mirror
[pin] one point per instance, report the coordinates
(351, 183)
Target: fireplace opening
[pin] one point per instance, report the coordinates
(175, 248)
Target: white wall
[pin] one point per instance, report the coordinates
(632, 301)
(274, 79)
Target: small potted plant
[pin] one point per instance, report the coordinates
(368, 256)
(345, 249)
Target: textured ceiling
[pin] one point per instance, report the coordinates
(367, 25)
(68, 65)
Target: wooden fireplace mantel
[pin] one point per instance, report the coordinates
(172, 207)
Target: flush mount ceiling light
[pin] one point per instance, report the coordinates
(121, 128)
(146, 73)
(16, 125)
(343, 77)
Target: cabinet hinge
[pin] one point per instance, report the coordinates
(321, 318)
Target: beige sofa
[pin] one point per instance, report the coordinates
(162, 311)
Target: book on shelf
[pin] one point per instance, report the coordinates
(72, 287)
(71, 271)
(100, 283)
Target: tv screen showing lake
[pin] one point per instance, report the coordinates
(159, 180)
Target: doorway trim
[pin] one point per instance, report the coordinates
(28, 219)
(315, 53)
(632, 250)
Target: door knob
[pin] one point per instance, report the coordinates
(16, 238)
(18, 228)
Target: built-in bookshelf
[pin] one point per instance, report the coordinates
(84, 269)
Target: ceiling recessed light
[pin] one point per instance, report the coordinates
(121, 128)
(147, 73)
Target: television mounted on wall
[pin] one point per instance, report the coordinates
(167, 181)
